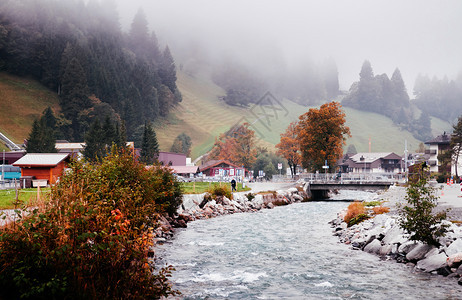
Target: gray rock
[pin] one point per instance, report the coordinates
(432, 262)
(373, 247)
(460, 281)
(419, 252)
(385, 250)
(394, 235)
(459, 270)
(455, 247)
(406, 247)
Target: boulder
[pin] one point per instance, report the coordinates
(394, 236)
(455, 247)
(459, 270)
(385, 250)
(419, 252)
(455, 260)
(432, 262)
(407, 247)
(373, 247)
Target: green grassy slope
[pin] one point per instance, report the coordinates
(22, 100)
(203, 117)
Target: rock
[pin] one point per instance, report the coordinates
(455, 247)
(444, 271)
(419, 252)
(455, 260)
(407, 247)
(460, 281)
(373, 247)
(385, 250)
(459, 270)
(394, 236)
(270, 205)
(431, 263)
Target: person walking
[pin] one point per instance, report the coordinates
(233, 185)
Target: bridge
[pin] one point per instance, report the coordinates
(317, 186)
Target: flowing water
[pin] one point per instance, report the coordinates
(288, 253)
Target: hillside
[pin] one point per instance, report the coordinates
(202, 116)
(22, 101)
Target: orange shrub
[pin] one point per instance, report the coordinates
(354, 210)
(380, 210)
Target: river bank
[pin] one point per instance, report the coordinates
(382, 236)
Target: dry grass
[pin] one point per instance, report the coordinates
(354, 209)
(378, 210)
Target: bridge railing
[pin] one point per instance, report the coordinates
(350, 177)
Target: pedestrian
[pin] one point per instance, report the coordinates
(233, 185)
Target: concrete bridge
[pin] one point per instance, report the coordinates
(317, 186)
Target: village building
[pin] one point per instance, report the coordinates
(375, 162)
(223, 168)
(44, 168)
(172, 159)
(438, 146)
(185, 171)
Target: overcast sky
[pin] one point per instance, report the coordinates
(417, 36)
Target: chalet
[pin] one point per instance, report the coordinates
(222, 168)
(186, 171)
(10, 157)
(375, 162)
(438, 146)
(43, 166)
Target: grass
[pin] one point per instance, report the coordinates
(22, 101)
(202, 187)
(8, 197)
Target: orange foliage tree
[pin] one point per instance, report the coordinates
(289, 147)
(237, 146)
(321, 134)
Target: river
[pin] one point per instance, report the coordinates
(288, 253)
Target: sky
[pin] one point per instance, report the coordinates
(416, 36)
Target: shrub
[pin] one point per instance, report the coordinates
(250, 196)
(92, 238)
(417, 216)
(220, 190)
(372, 203)
(358, 219)
(378, 210)
(354, 209)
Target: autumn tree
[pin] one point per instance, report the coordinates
(289, 147)
(322, 134)
(182, 144)
(237, 145)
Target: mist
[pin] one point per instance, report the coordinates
(418, 37)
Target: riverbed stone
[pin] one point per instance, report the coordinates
(419, 252)
(385, 250)
(407, 247)
(455, 260)
(373, 247)
(432, 262)
(455, 247)
(394, 236)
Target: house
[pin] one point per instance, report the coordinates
(186, 171)
(43, 166)
(10, 157)
(438, 146)
(172, 159)
(222, 168)
(375, 162)
(75, 149)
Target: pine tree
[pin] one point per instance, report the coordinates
(41, 138)
(456, 143)
(167, 70)
(150, 147)
(94, 140)
(109, 132)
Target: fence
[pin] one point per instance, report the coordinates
(346, 177)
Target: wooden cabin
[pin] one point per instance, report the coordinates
(43, 166)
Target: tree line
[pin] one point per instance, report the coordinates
(78, 50)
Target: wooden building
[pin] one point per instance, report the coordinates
(44, 166)
(221, 168)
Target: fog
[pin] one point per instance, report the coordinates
(418, 36)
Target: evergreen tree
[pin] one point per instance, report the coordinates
(109, 132)
(167, 70)
(41, 138)
(95, 147)
(456, 143)
(150, 147)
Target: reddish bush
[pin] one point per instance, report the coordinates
(354, 210)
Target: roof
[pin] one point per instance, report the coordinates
(213, 163)
(41, 159)
(441, 139)
(69, 146)
(184, 169)
(367, 157)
